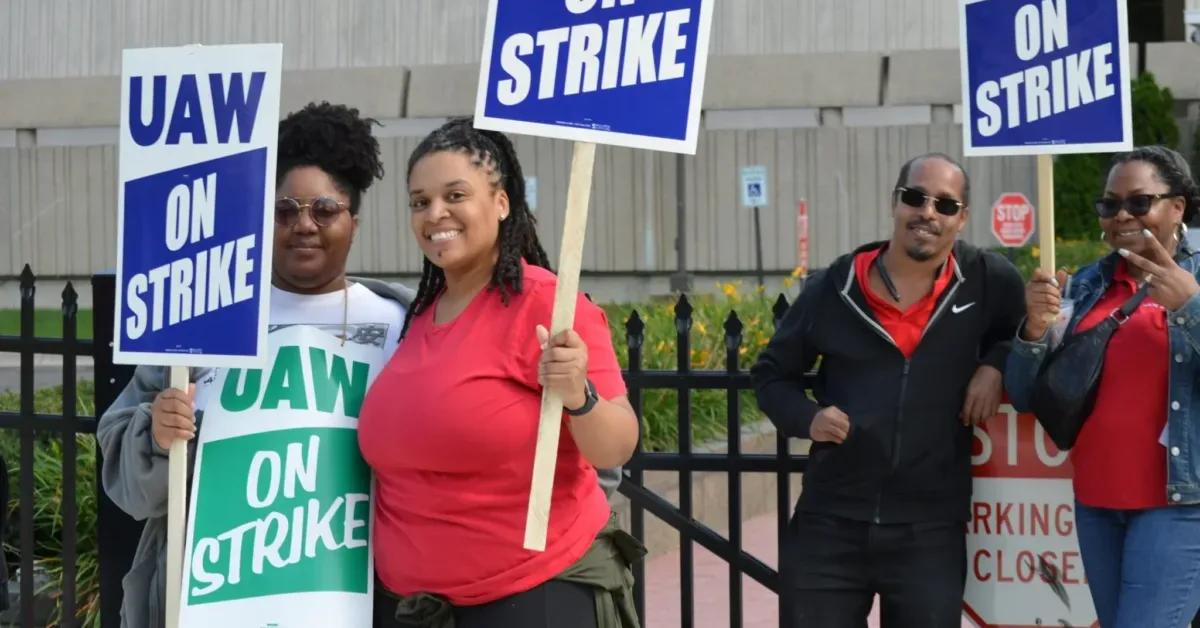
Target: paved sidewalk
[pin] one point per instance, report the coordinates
(759, 605)
(41, 360)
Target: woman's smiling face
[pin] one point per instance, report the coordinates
(457, 205)
(1135, 200)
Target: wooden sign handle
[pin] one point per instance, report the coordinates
(1045, 217)
(1045, 211)
(570, 258)
(176, 510)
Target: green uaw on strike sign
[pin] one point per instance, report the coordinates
(279, 523)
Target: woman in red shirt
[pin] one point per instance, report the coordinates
(1137, 482)
(450, 425)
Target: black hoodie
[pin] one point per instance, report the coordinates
(908, 455)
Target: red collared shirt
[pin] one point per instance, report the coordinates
(1118, 460)
(907, 327)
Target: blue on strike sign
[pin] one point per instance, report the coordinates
(619, 72)
(1045, 77)
(199, 127)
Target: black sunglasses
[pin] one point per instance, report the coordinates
(1137, 205)
(917, 198)
(323, 210)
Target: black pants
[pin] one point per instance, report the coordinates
(555, 604)
(832, 568)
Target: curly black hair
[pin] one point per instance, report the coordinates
(493, 152)
(1172, 169)
(335, 139)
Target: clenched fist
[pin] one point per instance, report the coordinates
(172, 416)
(830, 425)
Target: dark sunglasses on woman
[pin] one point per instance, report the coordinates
(1137, 205)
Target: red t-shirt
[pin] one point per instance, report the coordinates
(907, 327)
(1118, 460)
(450, 427)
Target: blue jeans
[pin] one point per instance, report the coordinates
(1143, 566)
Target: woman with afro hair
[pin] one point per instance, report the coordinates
(327, 159)
(450, 425)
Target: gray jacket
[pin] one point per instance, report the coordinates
(135, 476)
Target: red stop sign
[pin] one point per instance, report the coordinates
(1012, 219)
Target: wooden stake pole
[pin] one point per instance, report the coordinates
(176, 510)
(1045, 212)
(570, 258)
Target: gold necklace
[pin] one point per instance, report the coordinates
(345, 310)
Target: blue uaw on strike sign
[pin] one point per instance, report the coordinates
(1045, 77)
(199, 127)
(620, 72)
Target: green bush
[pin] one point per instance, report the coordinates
(709, 408)
(1079, 179)
(1067, 254)
(48, 502)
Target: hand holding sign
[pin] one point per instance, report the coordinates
(1170, 285)
(172, 416)
(1043, 297)
(605, 72)
(564, 365)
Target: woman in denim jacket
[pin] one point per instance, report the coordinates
(1137, 459)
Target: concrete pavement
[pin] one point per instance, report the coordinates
(759, 605)
(47, 370)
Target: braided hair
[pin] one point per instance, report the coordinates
(1172, 169)
(493, 152)
(335, 139)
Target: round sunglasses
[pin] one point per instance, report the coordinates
(323, 210)
(1137, 205)
(918, 198)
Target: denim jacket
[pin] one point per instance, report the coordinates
(1183, 408)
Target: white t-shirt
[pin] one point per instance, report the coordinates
(369, 319)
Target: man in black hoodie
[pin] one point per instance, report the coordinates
(912, 336)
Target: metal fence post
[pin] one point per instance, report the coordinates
(119, 533)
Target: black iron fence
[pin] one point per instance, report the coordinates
(118, 533)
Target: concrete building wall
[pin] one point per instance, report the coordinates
(74, 38)
(828, 113)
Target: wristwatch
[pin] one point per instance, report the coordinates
(590, 399)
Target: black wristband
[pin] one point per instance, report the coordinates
(589, 402)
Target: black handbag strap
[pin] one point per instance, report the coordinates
(1123, 313)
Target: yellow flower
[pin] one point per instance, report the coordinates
(729, 289)
(761, 289)
(799, 271)
(701, 328)
(787, 282)
(1035, 251)
(742, 350)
